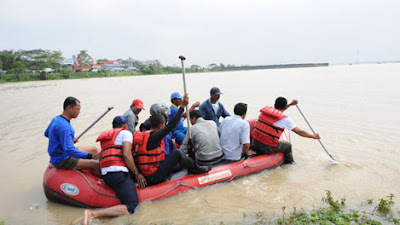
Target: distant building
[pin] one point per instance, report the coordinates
(67, 62)
(113, 64)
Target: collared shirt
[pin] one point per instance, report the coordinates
(133, 120)
(205, 141)
(234, 132)
(208, 112)
(61, 141)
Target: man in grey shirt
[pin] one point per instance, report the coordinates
(205, 140)
(132, 114)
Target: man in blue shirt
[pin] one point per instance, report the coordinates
(179, 132)
(63, 153)
(211, 109)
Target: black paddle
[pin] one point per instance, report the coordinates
(314, 133)
(190, 145)
(91, 125)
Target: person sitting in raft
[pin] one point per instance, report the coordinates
(269, 127)
(211, 109)
(63, 153)
(235, 135)
(116, 162)
(205, 140)
(179, 132)
(162, 109)
(150, 150)
(132, 114)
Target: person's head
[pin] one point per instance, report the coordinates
(215, 93)
(176, 98)
(280, 103)
(240, 109)
(194, 115)
(146, 125)
(159, 108)
(137, 106)
(72, 107)
(120, 122)
(157, 121)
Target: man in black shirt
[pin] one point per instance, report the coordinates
(150, 152)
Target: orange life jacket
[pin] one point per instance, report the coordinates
(264, 131)
(111, 154)
(148, 160)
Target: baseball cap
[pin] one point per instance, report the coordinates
(176, 95)
(138, 103)
(119, 121)
(215, 91)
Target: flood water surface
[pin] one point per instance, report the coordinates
(353, 108)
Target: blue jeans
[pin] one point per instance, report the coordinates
(122, 183)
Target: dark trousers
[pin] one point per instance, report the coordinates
(283, 146)
(168, 166)
(122, 183)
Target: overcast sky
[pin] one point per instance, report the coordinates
(245, 32)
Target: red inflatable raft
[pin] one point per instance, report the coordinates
(83, 189)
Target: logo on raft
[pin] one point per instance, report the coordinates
(69, 189)
(214, 177)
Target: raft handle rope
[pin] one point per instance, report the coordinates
(178, 184)
(247, 165)
(83, 175)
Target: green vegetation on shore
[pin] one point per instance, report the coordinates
(39, 64)
(337, 212)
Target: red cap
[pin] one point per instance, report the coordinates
(137, 103)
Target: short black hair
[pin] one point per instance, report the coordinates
(280, 103)
(240, 109)
(117, 125)
(146, 125)
(156, 120)
(70, 101)
(195, 114)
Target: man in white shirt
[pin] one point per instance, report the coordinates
(269, 127)
(116, 161)
(235, 134)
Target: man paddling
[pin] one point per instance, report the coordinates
(116, 162)
(63, 153)
(269, 127)
(179, 132)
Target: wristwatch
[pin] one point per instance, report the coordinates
(136, 173)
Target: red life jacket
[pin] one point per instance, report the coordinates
(148, 160)
(264, 131)
(111, 154)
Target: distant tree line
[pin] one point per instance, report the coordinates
(35, 64)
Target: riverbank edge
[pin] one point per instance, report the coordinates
(28, 77)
